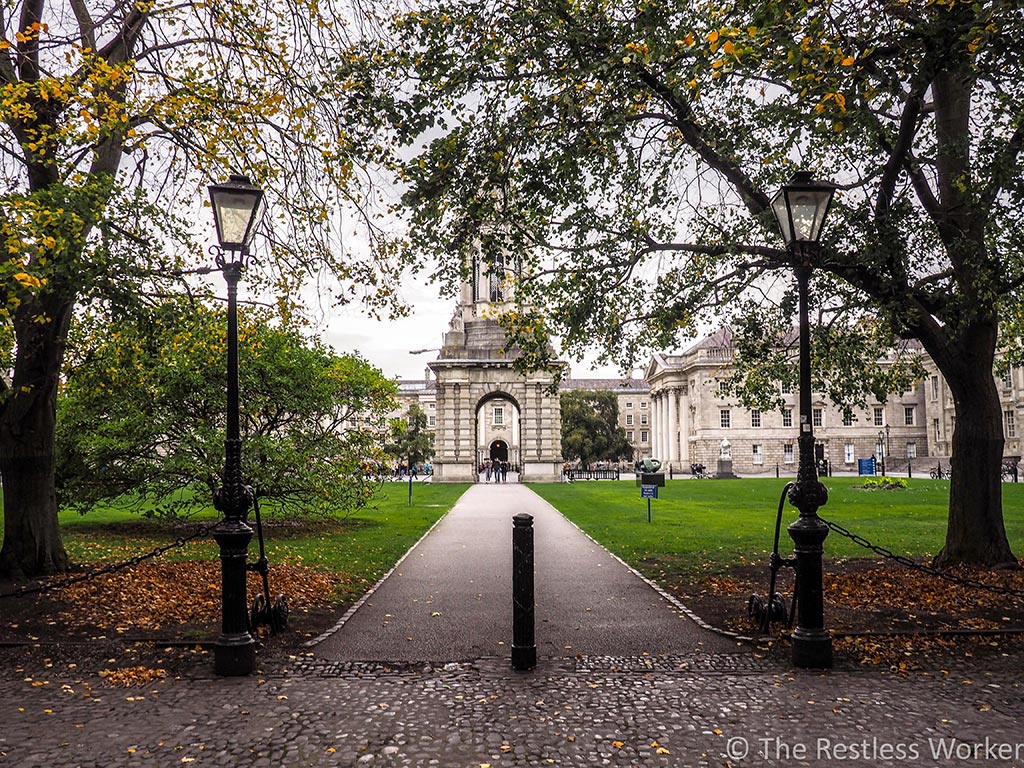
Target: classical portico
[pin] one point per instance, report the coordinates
(671, 413)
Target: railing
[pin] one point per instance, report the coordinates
(591, 474)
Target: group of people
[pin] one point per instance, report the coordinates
(495, 468)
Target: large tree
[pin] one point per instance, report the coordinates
(590, 428)
(630, 150)
(113, 116)
(141, 411)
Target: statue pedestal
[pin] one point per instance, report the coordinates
(725, 470)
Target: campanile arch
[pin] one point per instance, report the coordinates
(472, 370)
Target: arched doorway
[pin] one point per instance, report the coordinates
(498, 428)
(499, 450)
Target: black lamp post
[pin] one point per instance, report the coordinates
(800, 208)
(883, 448)
(237, 205)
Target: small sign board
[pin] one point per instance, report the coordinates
(866, 466)
(648, 491)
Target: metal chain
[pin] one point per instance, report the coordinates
(113, 567)
(913, 564)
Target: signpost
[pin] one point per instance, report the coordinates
(649, 483)
(866, 466)
(648, 492)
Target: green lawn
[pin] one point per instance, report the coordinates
(707, 525)
(364, 545)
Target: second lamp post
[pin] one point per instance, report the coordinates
(800, 208)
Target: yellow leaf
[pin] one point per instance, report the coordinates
(849, 61)
(618, 744)
(712, 35)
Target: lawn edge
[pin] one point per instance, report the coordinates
(369, 593)
(672, 599)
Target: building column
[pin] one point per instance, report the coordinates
(655, 432)
(673, 450)
(684, 433)
(663, 426)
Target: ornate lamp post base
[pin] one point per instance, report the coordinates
(235, 651)
(812, 644)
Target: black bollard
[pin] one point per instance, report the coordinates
(524, 647)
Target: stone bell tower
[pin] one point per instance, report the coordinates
(485, 408)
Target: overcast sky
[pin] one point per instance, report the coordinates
(387, 344)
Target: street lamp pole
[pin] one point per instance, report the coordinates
(800, 208)
(237, 206)
(883, 448)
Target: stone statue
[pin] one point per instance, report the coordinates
(455, 324)
(725, 461)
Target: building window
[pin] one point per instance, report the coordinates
(643, 435)
(643, 418)
(787, 388)
(499, 416)
(432, 420)
(643, 404)
(629, 419)
(755, 418)
(787, 453)
(629, 404)
(935, 428)
(725, 418)
(911, 450)
(757, 456)
(817, 417)
(787, 417)
(879, 416)
(629, 436)
(847, 419)
(1007, 377)
(431, 406)
(935, 387)
(1010, 417)
(849, 453)
(908, 415)
(723, 387)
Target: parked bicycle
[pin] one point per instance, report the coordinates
(938, 473)
(1008, 472)
(699, 471)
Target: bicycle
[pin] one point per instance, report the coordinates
(699, 471)
(938, 473)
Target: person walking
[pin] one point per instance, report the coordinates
(487, 469)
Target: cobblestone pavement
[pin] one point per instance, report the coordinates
(727, 710)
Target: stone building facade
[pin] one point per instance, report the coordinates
(941, 415)
(692, 414)
(678, 413)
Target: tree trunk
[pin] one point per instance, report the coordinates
(975, 533)
(32, 544)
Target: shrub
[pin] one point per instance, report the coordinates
(885, 483)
